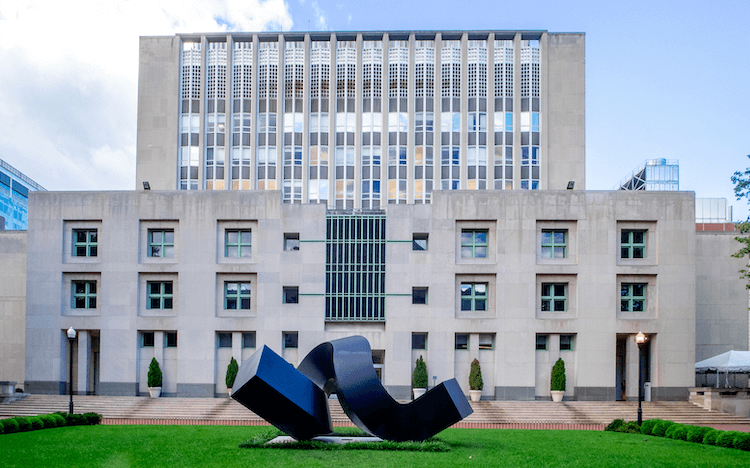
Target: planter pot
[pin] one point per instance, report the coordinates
(154, 392)
(557, 395)
(418, 392)
(229, 391)
(475, 395)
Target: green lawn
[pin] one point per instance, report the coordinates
(206, 446)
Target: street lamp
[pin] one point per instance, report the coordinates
(71, 339)
(640, 338)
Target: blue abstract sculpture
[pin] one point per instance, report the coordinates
(296, 400)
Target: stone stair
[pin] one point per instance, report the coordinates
(129, 410)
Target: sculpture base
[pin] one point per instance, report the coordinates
(326, 439)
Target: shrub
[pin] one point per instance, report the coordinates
(677, 432)
(60, 420)
(48, 421)
(92, 419)
(696, 433)
(24, 424)
(630, 427)
(232, 369)
(648, 426)
(725, 439)
(614, 425)
(10, 426)
(475, 376)
(661, 428)
(557, 380)
(36, 423)
(2, 427)
(742, 441)
(710, 437)
(154, 374)
(419, 378)
(75, 419)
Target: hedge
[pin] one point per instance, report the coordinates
(44, 421)
(696, 434)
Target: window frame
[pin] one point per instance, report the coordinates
(170, 339)
(423, 337)
(87, 295)
(162, 245)
(290, 295)
(146, 338)
(245, 338)
(552, 245)
(631, 245)
(461, 345)
(239, 297)
(221, 340)
(415, 298)
(553, 299)
(289, 241)
(473, 296)
(239, 245)
(88, 244)
(544, 342)
(570, 342)
(162, 295)
(416, 238)
(474, 244)
(630, 297)
(290, 340)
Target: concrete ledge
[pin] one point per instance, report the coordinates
(595, 393)
(195, 390)
(399, 392)
(45, 387)
(669, 394)
(515, 393)
(117, 389)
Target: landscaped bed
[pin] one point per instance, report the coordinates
(218, 446)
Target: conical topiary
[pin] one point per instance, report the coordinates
(419, 379)
(558, 376)
(232, 369)
(154, 374)
(475, 376)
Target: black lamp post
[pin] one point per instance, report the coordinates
(71, 340)
(640, 338)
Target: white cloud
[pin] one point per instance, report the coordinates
(322, 22)
(68, 83)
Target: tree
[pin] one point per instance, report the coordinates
(232, 369)
(741, 181)
(557, 382)
(419, 379)
(475, 376)
(154, 374)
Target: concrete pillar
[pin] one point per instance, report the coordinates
(84, 356)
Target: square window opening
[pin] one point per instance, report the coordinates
(248, 339)
(170, 339)
(542, 342)
(223, 340)
(291, 340)
(419, 341)
(291, 241)
(418, 295)
(147, 339)
(462, 341)
(290, 295)
(419, 242)
(566, 342)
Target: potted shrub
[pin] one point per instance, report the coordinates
(154, 379)
(557, 383)
(419, 378)
(232, 369)
(475, 381)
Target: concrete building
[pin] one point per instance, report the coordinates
(362, 119)
(14, 197)
(653, 174)
(513, 278)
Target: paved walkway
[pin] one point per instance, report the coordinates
(487, 414)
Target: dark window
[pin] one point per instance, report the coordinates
(170, 340)
(419, 341)
(248, 339)
(290, 295)
(223, 340)
(462, 341)
(566, 342)
(147, 339)
(419, 242)
(291, 241)
(291, 340)
(419, 295)
(541, 342)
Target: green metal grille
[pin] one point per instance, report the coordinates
(632, 243)
(633, 297)
(355, 266)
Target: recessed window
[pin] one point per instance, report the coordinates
(147, 339)
(85, 243)
(566, 342)
(161, 243)
(419, 242)
(84, 294)
(291, 340)
(419, 341)
(474, 296)
(554, 297)
(291, 241)
(486, 341)
(237, 243)
(236, 296)
(170, 339)
(419, 295)
(224, 340)
(554, 243)
(474, 243)
(541, 342)
(248, 339)
(160, 294)
(290, 295)
(632, 243)
(633, 297)
(462, 341)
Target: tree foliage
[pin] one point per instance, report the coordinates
(741, 181)
(557, 381)
(232, 369)
(419, 379)
(475, 376)
(154, 374)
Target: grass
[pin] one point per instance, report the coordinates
(208, 446)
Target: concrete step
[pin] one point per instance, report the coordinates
(485, 412)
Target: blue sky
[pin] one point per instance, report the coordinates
(664, 79)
